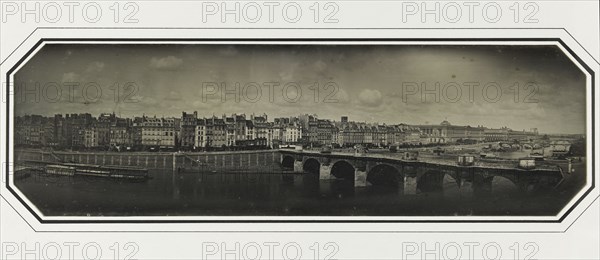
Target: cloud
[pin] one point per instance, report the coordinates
(370, 81)
(370, 97)
(166, 63)
(320, 65)
(341, 96)
(96, 66)
(70, 77)
(228, 51)
(173, 96)
(286, 75)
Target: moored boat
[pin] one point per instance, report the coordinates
(71, 169)
(60, 170)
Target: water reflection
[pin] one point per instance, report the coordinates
(284, 193)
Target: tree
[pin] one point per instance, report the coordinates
(577, 148)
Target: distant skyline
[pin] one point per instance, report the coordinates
(378, 84)
(271, 119)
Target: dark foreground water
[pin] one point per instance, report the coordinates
(281, 194)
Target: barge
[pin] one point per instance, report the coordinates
(60, 170)
(72, 169)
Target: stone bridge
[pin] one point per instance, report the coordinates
(414, 175)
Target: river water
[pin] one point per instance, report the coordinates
(279, 194)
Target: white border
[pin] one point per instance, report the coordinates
(184, 34)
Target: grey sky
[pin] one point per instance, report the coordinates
(369, 79)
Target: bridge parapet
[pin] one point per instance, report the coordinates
(411, 172)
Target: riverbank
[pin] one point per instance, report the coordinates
(263, 160)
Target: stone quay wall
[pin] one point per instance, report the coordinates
(235, 161)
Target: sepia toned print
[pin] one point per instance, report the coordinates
(299, 130)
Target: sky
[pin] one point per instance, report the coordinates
(520, 87)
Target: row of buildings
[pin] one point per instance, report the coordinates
(238, 130)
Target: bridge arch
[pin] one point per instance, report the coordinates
(384, 175)
(450, 184)
(311, 165)
(287, 162)
(431, 181)
(503, 185)
(343, 169)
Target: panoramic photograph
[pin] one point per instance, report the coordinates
(292, 129)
